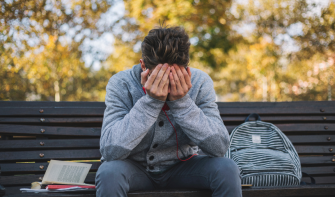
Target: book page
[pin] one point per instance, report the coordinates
(65, 172)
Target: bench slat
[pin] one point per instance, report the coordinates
(86, 131)
(324, 170)
(83, 154)
(20, 104)
(46, 120)
(95, 154)
(35, 167)
(13, 104)
(320, 104)
(21, 168)
(301, 149)
(49, 130)
(267, 118)
(306, 127)
(49, 144)
(316, 160)
(320, 179)
(94, 143)
(296, 191)
(276, 111)
(325, 139)
(47, 111)
(98, 120)
(98, 111)
(14, 191)
(227, 119)
(28, 179)
(298, 127)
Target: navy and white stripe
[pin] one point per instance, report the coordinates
(271, 162)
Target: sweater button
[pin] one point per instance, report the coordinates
(161, 123)
(151, 167)
(155, 145)
(151, 158)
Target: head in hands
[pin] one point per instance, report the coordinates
(165, 59)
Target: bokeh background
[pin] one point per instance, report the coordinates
(257, 50)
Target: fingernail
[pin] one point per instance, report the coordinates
(165, 65)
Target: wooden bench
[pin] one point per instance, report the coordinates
(32, 133)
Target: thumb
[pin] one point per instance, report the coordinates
(144, 76)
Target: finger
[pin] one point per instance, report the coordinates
(164, 79)
(181, 78)
(187, 78)
(166, 86)
(176, 79)
(144, 76)
(153, 75)
(159, 76)
(189, 71)
(172, 83)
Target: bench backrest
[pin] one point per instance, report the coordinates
(32, 133)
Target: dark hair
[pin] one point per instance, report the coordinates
(166, 45)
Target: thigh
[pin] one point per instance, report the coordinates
(125, 173)
(200, 172)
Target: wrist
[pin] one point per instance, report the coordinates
(173, 98)
(180, 105)
(163, 99)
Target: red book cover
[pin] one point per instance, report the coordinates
(69, 186)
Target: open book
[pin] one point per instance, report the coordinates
(64, 172)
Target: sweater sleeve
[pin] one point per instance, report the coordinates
(201, 122)
(124, 126)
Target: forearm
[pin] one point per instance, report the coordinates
(123, 130)
(202, 125)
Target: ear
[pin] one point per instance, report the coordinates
(142, 65)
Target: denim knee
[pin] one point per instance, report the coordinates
(225, 167)
(111, 170)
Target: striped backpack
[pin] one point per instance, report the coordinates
(265, 156)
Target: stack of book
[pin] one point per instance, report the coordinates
(63, 176)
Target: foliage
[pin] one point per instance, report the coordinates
(40, 48)
(265, 50)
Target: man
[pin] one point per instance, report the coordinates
(145, 106)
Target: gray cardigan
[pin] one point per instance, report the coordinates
(135, 127)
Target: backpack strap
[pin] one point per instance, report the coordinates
(312, 179)
(256, 116)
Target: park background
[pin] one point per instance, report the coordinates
(260, 50)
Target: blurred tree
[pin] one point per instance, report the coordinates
(266, 50)
(208, 24)
(305, 40)
(40, 44)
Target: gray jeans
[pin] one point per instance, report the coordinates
(221, 175)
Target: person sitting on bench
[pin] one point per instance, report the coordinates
(158, 114)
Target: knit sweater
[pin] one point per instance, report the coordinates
(135, 127)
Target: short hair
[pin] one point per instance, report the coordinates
(166, 45)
